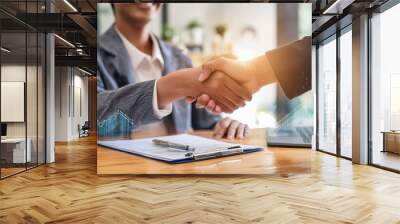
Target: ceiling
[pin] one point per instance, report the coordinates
(75, 21)
(72, 20)
(332, 15)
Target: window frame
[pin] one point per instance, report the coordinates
(44, 41)
(371, 13)
(342, 32)
(333, 37)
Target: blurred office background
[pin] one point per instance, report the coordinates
(245, 30)
(45, 42)
(47, 90)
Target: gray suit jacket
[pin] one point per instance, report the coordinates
(123, 104)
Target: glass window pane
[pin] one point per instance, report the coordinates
(31, 97)
(41, 99)
(22, 87)
(346, 94)
(327, 96)
(385, 86)
(13, 86)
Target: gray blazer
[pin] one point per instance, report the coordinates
(123, 104)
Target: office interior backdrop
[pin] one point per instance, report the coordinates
(339, 80)
(48, 83)
(288, 122)
(375, 32)
(349, 52)
(22, 62)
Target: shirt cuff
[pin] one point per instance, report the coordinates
(160, 113)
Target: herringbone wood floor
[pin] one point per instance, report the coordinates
(69, 191)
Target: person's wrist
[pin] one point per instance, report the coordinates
(262, 71)
(190, 84)
(177, 85)
(162, 92)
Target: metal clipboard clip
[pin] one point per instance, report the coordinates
(219, 153)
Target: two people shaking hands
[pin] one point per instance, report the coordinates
(144, 81)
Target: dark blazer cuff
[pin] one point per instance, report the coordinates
(292, 67)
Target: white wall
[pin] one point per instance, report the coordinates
(61, 103)
(13, 99)
(34, 125)
(81, 85)
(14, 72)
(69, 85)
(260, 16)
(236, 16)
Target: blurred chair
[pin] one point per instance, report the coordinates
(84, 130)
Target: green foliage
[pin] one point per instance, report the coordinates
(193, 24)
(220, 29)
(168, 32)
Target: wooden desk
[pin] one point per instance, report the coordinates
(391, 141)
(280, 161)
(14, 148)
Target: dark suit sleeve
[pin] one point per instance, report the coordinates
(292, 66)
(123, 109)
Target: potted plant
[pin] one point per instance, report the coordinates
(221, 43)
(168, 33)
(195, 33)
(220, 29)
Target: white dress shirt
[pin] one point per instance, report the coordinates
(148, 67)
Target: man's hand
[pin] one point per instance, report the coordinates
(252, 74)
(226, 93)
(231, 129)
(204, 101)
(223, 90)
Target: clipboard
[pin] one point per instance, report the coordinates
(205, 148)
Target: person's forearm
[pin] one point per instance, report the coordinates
(262, 70)
(178, 85)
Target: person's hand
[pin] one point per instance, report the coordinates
(223, 90)
(241, 72)
(252, 74)
(231, 129)
(204, 101)
(226, 92)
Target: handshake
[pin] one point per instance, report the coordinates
(220, 85)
